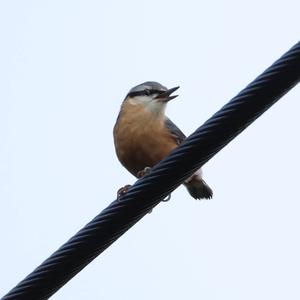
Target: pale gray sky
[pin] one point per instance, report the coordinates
(65, 67)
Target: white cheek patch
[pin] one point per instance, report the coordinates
(149, 103)
(139, 100)
(132, 101)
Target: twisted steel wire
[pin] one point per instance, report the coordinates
(147, 192)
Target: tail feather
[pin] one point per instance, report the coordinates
(198, 188)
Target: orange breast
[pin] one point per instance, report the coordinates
(141, 139)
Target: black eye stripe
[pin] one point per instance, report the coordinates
(145, 93)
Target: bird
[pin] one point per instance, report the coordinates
(144, 135)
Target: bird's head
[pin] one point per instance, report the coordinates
(152, 95)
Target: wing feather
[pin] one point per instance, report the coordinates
(178, 135)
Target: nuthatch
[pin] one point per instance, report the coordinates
(143, 135)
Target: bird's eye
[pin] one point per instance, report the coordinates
(147, 92)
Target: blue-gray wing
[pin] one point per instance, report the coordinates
(175, 131)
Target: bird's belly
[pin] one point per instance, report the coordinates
(138, 151)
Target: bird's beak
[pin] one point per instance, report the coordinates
(166, 96)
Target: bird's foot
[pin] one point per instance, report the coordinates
(144, 172)
(122, 191)
(168, 198)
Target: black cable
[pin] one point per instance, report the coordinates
(147, 192)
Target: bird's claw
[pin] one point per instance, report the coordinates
(168, 198)
(144, 172)
(122, 191)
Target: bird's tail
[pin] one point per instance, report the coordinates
(198, 188)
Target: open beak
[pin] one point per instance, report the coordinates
(166, 96)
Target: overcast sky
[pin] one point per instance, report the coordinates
(65, 67)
